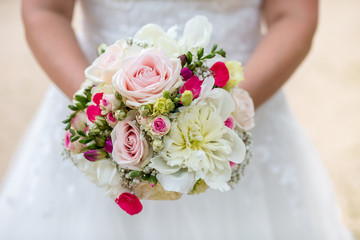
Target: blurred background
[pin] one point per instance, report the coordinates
(324, 94)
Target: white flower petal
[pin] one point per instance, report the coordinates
(239, 149)
(181, 181)
(223, 101)
(196, 34)
(159, 164)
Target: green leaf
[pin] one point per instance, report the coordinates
(72, 107)
(85, 140)
(80, 106)
(222, 53)
(81, 133)
(214, 47)
(145, 177)
(200, 53)
(66, 120)
(81, 99)
(68, 126)
(73, 115)
(74, 138)
(92, 146)
(209, 56)
(134, 174)
(188, 57)
(72, 132)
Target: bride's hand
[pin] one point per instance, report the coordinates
(53, 42)
(291, 27)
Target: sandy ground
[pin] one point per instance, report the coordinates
(324, 94)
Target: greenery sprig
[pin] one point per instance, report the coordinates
(193, 63)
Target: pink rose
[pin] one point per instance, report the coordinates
(74, 147)
(106, 65)
(130, 149)
(129, 203)
(221, 74)
(229, 122)
(143, 78)
(109, 103)
(244, 109)
(111, 120)
(79, 121)
(160, 126)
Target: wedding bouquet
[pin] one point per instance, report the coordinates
(159, 117)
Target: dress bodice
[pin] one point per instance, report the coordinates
(236, 23)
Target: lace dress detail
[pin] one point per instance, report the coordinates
(285, 194)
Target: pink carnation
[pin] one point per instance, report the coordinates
(221, 74)
(193, 85)
(129, 203)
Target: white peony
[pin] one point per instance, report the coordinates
(103, 173)
(199, 145)
(197, 33)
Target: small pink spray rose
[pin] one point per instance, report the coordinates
(160, 126)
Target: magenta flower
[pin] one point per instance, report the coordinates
(129, 203)
(108, 145)
(94, 155)
(229, 122)
(193, 85)
(186, 73)
(94, 110)
(221, 74)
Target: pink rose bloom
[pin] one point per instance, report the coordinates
(244, 109)
(221, 74)
(142, 79)
(79, 121)
(129, 203)
(130, 149)
(193, 85)
(106, 65)
(109, 102)
(74, 147)
(111, 120)
(160, 126)
(229, 122)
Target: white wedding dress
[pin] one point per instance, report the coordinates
(285, 194)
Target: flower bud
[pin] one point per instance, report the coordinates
(158, 145)
(144, 110)
(101, 49)
(108, 145)
(167, 94)
(100, 141)
(95, 155)
(186, 98)
(186, 73)
(120, 114)
(182, 59)
(100, 121)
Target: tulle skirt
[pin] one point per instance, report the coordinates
(285, 194)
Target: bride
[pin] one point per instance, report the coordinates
(285, 194)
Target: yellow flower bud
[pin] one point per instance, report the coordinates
(186, 98)
(236, 74)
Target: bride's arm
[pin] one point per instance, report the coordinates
(53, 42)
(291, 26)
